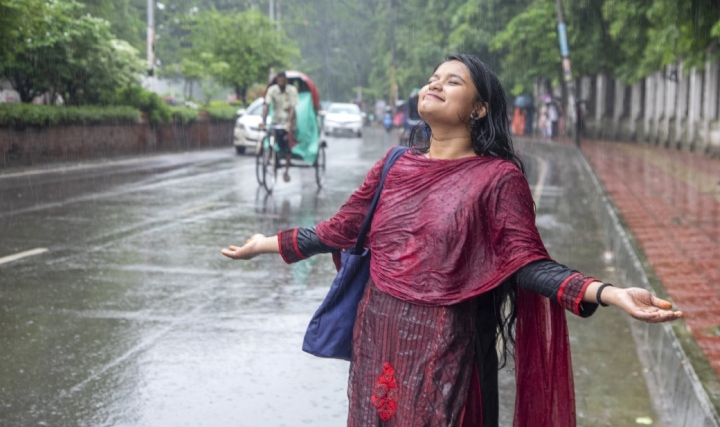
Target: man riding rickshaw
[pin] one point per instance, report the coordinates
(293, 137)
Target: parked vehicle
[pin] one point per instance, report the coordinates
(343, 119)
(247, 132)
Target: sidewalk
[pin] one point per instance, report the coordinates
(670, 200)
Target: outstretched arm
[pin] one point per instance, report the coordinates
(254, 246)
(293, 245)
(578, 293)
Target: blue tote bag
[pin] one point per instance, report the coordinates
(331, 328)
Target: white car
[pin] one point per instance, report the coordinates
(247, 132)
(343, 119)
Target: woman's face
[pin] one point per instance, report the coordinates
(449, 96)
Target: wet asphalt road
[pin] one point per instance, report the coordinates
(133, 318)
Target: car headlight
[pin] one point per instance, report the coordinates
(330, 123)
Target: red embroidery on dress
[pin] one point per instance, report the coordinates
(385, 392)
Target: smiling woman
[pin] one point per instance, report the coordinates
(456, 260)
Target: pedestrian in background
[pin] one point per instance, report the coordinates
(544, 123)
(457, 262)
(554, 118)
(529, 116)
(518, 121)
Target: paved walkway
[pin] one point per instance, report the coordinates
(671, 202)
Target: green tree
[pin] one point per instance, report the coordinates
(529, 47)
(193, 72)
(19, 20)
(654, 33)
(71, 54)
(246, 42)
(127, 18)
(336, 40)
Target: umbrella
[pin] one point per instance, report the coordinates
(524, 101)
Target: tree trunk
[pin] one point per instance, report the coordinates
(23, 86)
(241, 93)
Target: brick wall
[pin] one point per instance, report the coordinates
(66, 143)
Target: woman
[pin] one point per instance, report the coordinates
(453, 239)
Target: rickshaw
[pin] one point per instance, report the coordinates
(309, 152)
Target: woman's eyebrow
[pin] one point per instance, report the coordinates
(451, 75)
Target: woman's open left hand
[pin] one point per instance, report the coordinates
(642, 305)
(249, 250)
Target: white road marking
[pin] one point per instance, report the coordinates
(544, 167)
(200, 207)
(19, 255)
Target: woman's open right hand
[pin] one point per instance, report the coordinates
(249, 250)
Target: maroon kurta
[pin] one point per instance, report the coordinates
(446, 231)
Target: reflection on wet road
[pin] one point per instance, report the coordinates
(133, 318)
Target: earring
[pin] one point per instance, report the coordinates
(474, 115)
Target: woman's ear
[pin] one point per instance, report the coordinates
(480, 110)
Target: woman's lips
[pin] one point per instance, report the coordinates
(434, 96)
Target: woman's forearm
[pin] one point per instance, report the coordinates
(608, 294)
(591, 293)
(268, 245)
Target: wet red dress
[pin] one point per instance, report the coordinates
(444, 233)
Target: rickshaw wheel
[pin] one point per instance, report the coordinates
(320, 165)
(270, 166)
(259, 163)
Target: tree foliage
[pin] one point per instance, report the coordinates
(343, 45)
(68, 53)
(235, 49)
(654, 33)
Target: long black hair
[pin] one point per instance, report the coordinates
(490, 136)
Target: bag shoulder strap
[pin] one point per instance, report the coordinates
(389, 162)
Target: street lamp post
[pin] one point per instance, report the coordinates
(574, 104)
(151, 37)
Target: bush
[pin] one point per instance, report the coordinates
(217, 104)
(183, 115)
(145, 101)
(23, 115)
(225, 112)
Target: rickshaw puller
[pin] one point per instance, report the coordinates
(284, 97)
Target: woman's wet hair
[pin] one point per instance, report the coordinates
(490, 135)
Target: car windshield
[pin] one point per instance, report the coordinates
(255, 110)
(344, 109)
